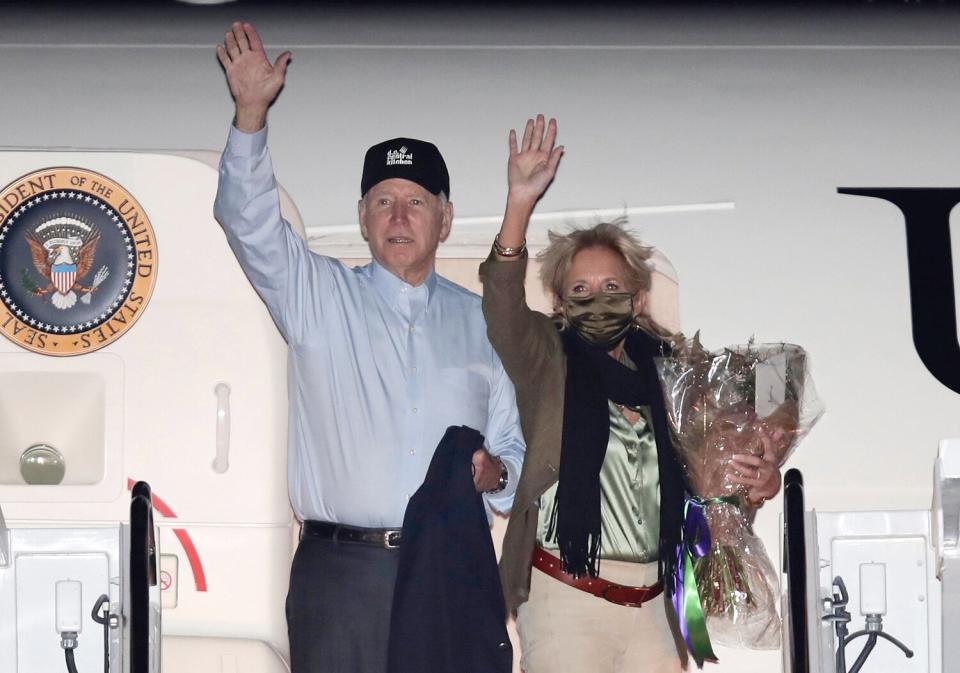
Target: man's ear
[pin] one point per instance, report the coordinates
(361, 211)
(447, 222)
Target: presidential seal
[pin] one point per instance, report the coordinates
(78, 261)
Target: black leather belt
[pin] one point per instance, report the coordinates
(387, 538)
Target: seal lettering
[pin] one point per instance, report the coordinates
(78, 261)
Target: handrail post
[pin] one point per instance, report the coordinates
(794, 564)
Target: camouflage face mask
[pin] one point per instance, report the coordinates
(602, 319)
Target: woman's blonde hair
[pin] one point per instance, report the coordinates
(557, 258)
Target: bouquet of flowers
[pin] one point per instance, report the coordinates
(753, 399)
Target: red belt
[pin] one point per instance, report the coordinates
(621, 594)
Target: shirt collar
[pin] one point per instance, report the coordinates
(389, 285)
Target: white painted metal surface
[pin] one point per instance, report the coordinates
(946, 517)
(30, 639)
(144, 408)
(900, 540)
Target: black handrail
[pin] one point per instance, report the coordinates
(795, 567)
(143, 575)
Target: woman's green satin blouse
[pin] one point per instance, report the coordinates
(629, 494)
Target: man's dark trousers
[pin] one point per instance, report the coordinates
(448, 615)
(338, 607)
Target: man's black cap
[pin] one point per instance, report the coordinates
(407, 158)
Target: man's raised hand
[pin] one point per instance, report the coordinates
(254, 82)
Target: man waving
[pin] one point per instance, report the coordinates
(382, 359)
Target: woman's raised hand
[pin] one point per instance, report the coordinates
(533, 163)
(531, 168)
(254, 81)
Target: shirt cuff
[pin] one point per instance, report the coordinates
(246, 144)
(502, 502)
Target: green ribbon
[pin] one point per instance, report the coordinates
(694, 543)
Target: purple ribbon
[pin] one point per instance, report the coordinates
(694, 544)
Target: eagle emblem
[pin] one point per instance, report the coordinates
(63, 249)
(78, 261)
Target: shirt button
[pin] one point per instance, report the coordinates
(412, 451)
(415, 410)
(412, 328)
(413, 368)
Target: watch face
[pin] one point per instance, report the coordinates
(78, 261)
(504, 476)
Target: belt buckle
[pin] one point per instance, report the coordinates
(628, 604)
(391, 539)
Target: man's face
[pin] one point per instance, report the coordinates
(404, 224)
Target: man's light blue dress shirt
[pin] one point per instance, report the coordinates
(377, 368)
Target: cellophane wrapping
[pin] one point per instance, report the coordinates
(744, 399)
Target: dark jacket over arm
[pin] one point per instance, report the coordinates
(447, 606)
